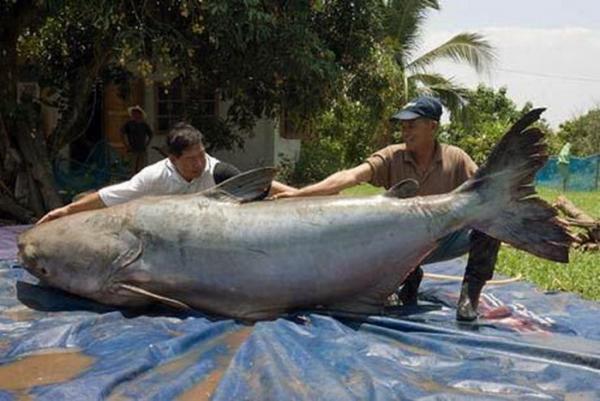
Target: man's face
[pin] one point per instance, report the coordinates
(137, 115)
(418, 133)
(191, 163)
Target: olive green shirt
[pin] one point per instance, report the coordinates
(449, 168)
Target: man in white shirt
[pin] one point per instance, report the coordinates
(187, 169)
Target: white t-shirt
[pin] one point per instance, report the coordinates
(160, 178)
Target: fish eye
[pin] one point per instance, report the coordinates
(44, 271)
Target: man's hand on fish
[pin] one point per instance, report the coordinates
(285, 194)
(54, 214)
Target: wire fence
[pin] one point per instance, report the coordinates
(581, 174)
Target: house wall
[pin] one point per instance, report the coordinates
(158, 140)
(259, 148)
(286, 150)
(264, 147)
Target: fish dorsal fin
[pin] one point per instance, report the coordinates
(245, 187)
(159, 298)
(404, 189)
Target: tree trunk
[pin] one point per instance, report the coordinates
(9, 156)
(10, 207)
(22, 144)
(590, 239)
(32, 144)
(568, 208)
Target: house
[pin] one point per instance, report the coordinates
(270, 144)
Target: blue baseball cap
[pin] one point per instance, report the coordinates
(423, 106)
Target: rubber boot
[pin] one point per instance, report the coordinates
(480, 268)
(410, 289)
(468, 301)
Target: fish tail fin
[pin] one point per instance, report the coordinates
(510, 209)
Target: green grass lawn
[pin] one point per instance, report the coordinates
(581, 275)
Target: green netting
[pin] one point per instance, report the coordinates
(581, 174)
(102, 167)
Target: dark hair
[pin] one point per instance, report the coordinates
(181, 137)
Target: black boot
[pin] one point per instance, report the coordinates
(469, 299)
(480, 268)
(410, 289)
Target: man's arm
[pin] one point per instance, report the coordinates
(279, 187)
(333, 184)
(89, 202)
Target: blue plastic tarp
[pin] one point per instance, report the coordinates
(528, 345)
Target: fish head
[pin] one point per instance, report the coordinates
(72, 253)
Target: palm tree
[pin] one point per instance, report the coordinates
(403, 26)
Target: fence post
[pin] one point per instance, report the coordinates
(597, 169)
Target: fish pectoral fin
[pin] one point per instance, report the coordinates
(159, 298)
(245, 187)
(131, 248)
(404, 189)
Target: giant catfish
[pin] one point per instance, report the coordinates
(220, 252)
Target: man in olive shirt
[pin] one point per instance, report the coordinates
(137, 135)
(439, 169)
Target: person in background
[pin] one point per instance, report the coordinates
(137, 135)
(438, 168)
(186, 169)
(562, 162)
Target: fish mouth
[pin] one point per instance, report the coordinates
(28, 259)
(34, 268)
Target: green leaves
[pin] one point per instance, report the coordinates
(468, 48)
(308, 58)
(403, 22)
(260, 54)
(482, 122)
(583, 133)
(451, 94)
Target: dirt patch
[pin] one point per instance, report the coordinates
(48, 367)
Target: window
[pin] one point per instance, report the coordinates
(171, 104)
